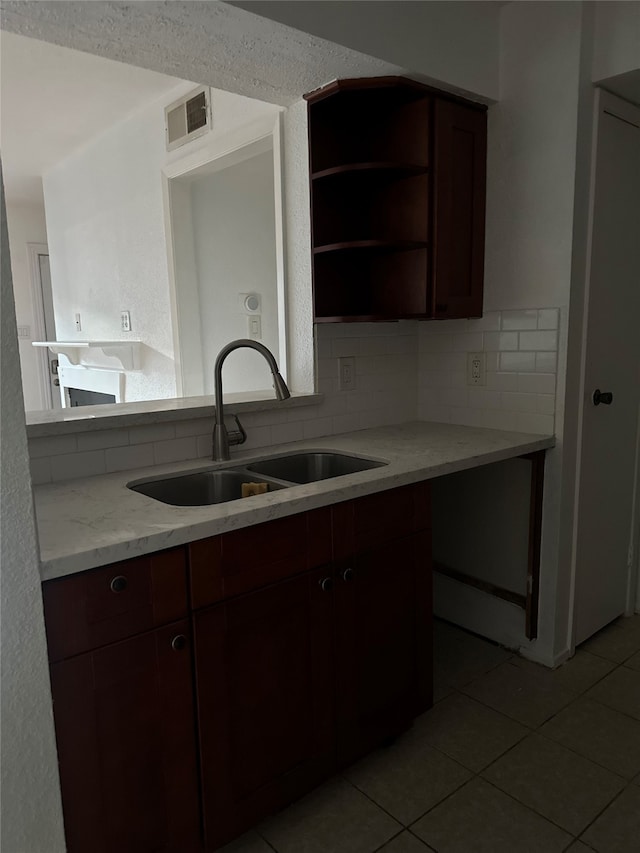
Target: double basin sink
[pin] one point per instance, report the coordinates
(201, 488)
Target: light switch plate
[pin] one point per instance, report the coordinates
(347, 373)
(125, 321)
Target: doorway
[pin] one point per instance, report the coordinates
(605, 527)
(45, 324)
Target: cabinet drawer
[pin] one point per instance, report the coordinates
(94, 608)
(372, 520)
(247, 559)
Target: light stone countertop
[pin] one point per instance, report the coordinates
(98, 520)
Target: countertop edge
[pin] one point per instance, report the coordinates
(290, 501)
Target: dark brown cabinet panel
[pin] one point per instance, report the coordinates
(94, 608)
(311, 645)
(225, 566)
(460, 154)
(264, 670)
(379, 169)
(383, 622)
(124, 722)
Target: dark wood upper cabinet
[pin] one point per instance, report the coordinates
(459, 190)
(375, 147)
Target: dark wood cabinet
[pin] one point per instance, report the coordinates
(264, 665)
(383, 622)
(382, 547)
(119, 642)
(126, 745)
(459, 191)
(389, 201)
(311, 645)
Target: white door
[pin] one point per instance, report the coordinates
(611, 365)
(50, 328)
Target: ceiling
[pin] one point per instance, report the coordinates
(53, 100)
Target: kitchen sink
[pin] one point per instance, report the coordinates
(309, 467)
(201, 488)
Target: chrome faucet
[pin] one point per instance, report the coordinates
(221, 437)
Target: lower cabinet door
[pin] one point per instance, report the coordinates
(125, 730)
(264, 674)
(384, 642)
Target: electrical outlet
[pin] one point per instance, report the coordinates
(125, 321)
(476, 368)
(347, 373)
(78, 323)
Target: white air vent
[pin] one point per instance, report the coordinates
(188, 118)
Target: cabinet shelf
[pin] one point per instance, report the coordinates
(397, 187)
(375, 245)
(385, 167)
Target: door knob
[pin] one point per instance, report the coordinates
(326, 584)
(604, 397)
(347, 575)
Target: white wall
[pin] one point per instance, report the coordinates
(235, 245)
(455, 44)
(31, 810)
(107, 242)
(26, 224)
(531, 185)
(617, 38)
(107, 246)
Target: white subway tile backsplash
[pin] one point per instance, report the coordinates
(546, 362)
(543, 341)
(548, 318)
(537, 383)
(546, 404)
(442, 342)
(517, 320)
(317, 427)
(520, 402)
(538, 424)
(103, 438)
(403, 371)
(40, 471)
(345, 347)
(502, 381)
(517, 361)
(53, 446)
(259, 436)
(284, 433)
(204, 447)
(483, 398)
(200, 426)
(496, 419)
(126, 458)
(467, 342)
(501, 341)
(430, 411)
(175, 450)
(148, 434)
(346, 423)
(69, 466)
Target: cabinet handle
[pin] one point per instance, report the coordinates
(348, 575)
(118, 584)
(179, 642)
(326, 584)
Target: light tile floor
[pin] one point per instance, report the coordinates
(512, 758)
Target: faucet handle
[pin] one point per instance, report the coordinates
(236, 436)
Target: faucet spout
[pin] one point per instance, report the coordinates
(221, 438)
